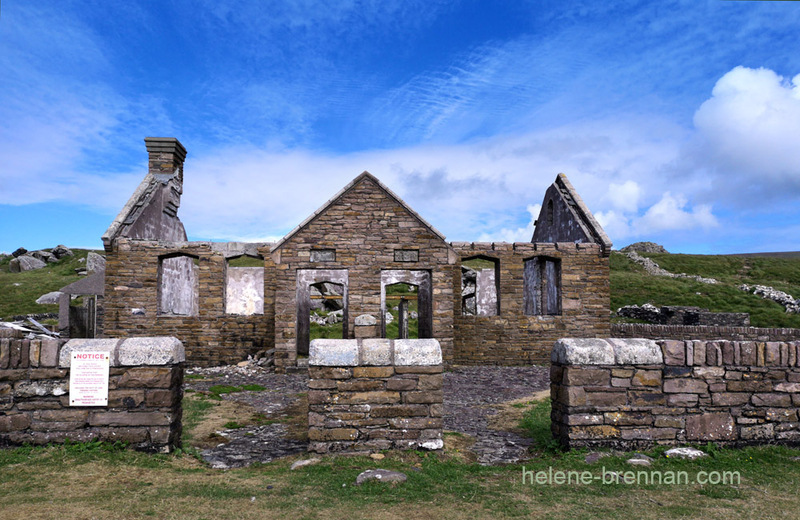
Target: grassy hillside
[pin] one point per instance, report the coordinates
(631, 285)
(19, 291)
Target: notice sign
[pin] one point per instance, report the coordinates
(88, 379)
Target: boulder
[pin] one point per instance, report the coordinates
(684, 453)
(49, 298)
(381, 475)
(95, 263)
(44, 256)
(25, 263)
(365, 320)
(19, 252)
(60, 251)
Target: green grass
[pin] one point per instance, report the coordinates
(19, 291)
(99, 480)
(215, 392)
(630, 285)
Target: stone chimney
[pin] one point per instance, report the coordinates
(166, 156)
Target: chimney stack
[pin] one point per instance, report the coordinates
(166, 156)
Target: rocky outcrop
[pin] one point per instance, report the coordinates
(60, 251)
(44, 256)
(95, 263)
(645, 247)
(25, 263)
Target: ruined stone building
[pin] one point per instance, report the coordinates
(226, 301)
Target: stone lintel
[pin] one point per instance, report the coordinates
(374, 352)
(163, 350)
(613, 351)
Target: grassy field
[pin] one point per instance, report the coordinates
(105, 482)
(19, 291)
(631, 285)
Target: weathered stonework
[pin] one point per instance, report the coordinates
(512, 338)
(637, 393)
(362, 240)
(702, 332)
(212, 337)
(144, 397)
(367, 395)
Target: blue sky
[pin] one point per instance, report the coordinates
(677, 122)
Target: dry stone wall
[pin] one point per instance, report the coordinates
(704, 332)
(631, 393)
(211, 336)
(144, 397)
(374, 394)
(512, 338)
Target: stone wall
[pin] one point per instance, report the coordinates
(631, 393)
(374, 394)
(144, 398)
(211, 336)
(512, 338)
(704, 332)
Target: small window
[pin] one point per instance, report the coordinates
(480, 286)
(542, 280)
(244, 286)
(406, 255)
(323, 255)
(177, 286)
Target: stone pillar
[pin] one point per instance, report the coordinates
(374, 394)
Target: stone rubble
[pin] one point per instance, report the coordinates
(654, 269)
(792, 306)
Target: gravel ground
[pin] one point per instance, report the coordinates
(470, 394)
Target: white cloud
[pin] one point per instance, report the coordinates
(749, 134)
(671, 213)
(625, 196)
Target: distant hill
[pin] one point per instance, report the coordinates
(785, 254)
(631, 285)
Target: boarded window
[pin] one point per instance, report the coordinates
(542, 279)
(406, 255)
(177, 286)
(323, 255)
(244, 286)
(480, 286)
